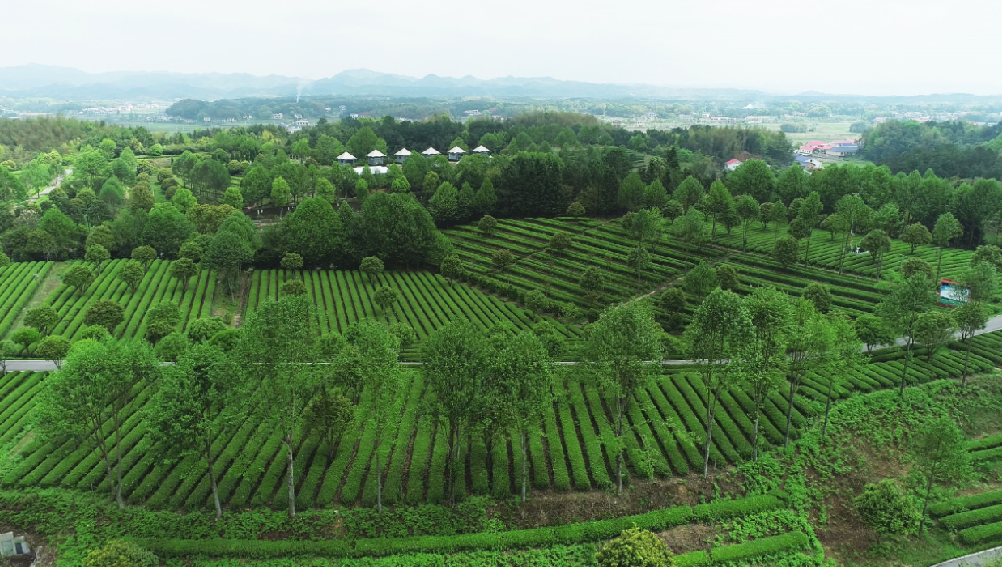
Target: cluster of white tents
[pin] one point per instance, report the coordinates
(376, 157)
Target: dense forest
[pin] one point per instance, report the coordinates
(951, 149)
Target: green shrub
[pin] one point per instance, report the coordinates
(635, 548)
(886, 509)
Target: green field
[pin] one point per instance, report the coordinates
(427, 301)
(158, 285)
(824, 251)
(571, 452)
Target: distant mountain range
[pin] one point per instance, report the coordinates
(73, 84)
(66, 83)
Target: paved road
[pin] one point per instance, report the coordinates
(994, 324)
(54, 184)
(974, 559)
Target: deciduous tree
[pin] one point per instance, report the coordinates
(197, 400)
(106, 313)
(132, 274)
(941, 456)
(78, 276)
(372, 267)
(93, 387)
(275, 346)
(183, 269)
(43, 318)
(900, 311)
(720, 333)
(915, 234)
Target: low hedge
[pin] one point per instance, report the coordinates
(657, 520)
(973, 517)
(982, 534)
(792, 541)
(966, 503)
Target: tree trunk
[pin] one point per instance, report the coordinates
(379, 484)
(744, 236)
(925, 503)
(845, 248)
(939, 261)
(755, 436)
(525, 472)
(828, 408)
(807, 254)
(118, 465)
(709, 436)
(904, 373)
(713, 231)
(292, 480)
(619, 449)
(212, 478)
(789, 417)
(967, 357)
(107, 463)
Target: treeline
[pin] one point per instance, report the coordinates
(894, 201)
(950, 149)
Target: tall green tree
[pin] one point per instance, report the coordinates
(900, 311)
(841, 357)
(197, 400)
(971, 318)
(95, 384)
(277, 346)
(720, 333)
(520, 372)
(43, 318)
(770, 312)
(946, 229)
(806, 347)
(877, 243)
(748, 211)
(618, 348)
(455, 357)
(718, 202)
(941, 456)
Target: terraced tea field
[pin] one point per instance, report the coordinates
(427, 301)
(18, 282)
(157, 286)
(572, 451)
(825, 251)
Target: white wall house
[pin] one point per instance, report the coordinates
(456, 153)
(346, 159)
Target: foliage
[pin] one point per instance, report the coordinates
(887, 509)
(635, 548)
(118, 553)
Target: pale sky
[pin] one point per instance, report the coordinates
(876, 47)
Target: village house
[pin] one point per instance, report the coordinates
(731, 165)
(346, 159)
(376, 157)
(481, 151)
(430, 153)
(456, 153)
(402, 155)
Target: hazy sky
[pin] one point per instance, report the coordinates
(835, 46)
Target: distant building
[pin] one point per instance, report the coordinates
(346, 159)
(472, 112)
(456, 153)
(402, 155)
(841, 151)
(302, 122)
(732, 164)
(206, 119)
(481, 151)
(430, 153)
(376, 157)
(276, 116)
